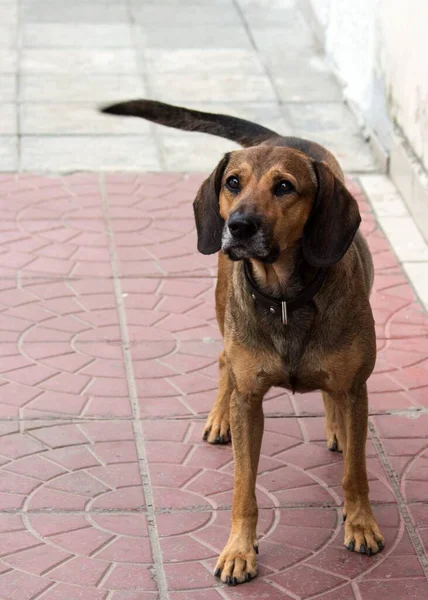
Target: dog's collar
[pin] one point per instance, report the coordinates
(283, 307)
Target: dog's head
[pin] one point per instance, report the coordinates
(262, 200)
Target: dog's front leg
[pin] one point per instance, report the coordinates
(362, 533)
(237, 562)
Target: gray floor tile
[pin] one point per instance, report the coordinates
(304, 79)
(102, 61)
(8, 119)
(296, 87)
(9, 13)
(8, 60)
(72, 12)
(352, 152)
(270, 12)
(213, 88)
(79, 35)
(265, 4)
(317, 118)
(75, 119)
(7, 88)
(333, 126)
(194, 152)
(8, 153)
(170, 5)
(170, 37)
(65, 154)
(8, 36)
(417, 273)
(280, 44)
(186, 61)
(99, 89)
(188, 15)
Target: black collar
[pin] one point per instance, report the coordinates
(283, 307)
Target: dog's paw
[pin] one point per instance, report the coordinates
(237, 563)
(217, 427)
(362, 534)
(333, 443)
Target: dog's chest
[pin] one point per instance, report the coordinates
(301, 367)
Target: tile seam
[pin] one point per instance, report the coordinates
(159, 573)
(401, 504)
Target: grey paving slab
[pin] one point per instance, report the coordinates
(319, 117)
(264, 4)
(75, 12)
(9, 13)
(298, 84)
(73, 153)
(8, 36)
(187, 15)
(277, 44)
(102, 61)
(193, 152)
(8, 119)
(7, 88)
(99, 89)
(8, 153)
(213, 88)
(79, 35)
(170, 5)
(8, 60)
(169, 36)
(256, 59)
(190, 61)
(351, 151)
(266, 12)
(75, 119)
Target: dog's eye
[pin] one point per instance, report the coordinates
(233, 183)
(283, 187)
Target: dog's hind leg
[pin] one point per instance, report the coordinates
(362, 533)
(217, 427)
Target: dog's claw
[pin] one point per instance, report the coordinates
(217, 573)
(248, 577)
(351, 546)
(381, 545)
(344, 517)
(205, 437)
(228, 580)
(362, 549)
(333, 447)
(369, 551)
(256, 548)
(234, 581)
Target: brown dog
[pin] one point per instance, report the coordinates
(292, 302)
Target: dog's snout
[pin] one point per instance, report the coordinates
(242, 226)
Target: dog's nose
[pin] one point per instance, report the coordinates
(242, 226)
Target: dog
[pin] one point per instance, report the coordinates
(292, 304)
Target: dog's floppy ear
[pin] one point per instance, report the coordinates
(333, 221)
(209, 222)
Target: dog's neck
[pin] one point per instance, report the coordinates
(280, 276)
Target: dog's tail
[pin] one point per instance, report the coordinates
(238, 130)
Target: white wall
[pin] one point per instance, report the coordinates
(404, 56)
(379, 50)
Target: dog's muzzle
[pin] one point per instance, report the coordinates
(246, 236)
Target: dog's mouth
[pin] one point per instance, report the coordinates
(260, 247)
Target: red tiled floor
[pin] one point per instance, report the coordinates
(106, 490)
